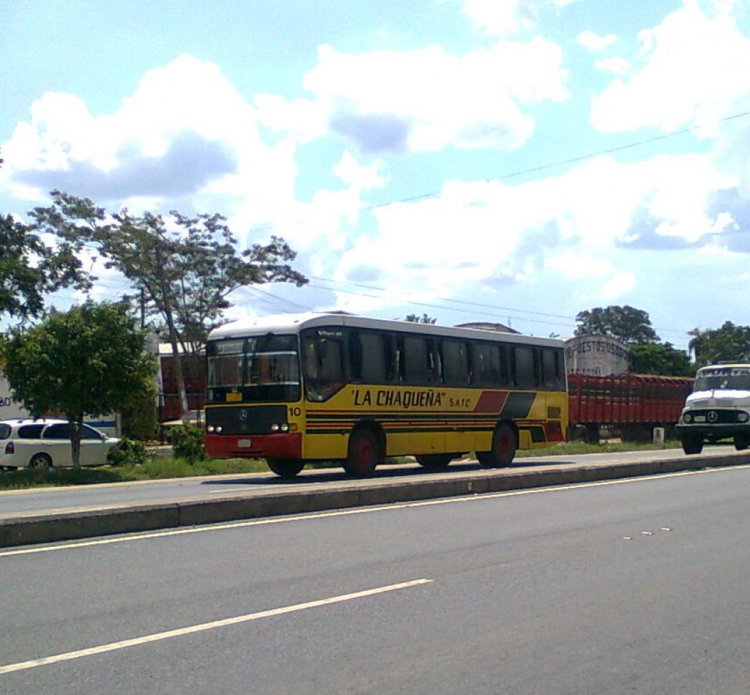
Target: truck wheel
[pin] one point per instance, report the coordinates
(285, 468)
(692, 443)
(363, 453)
(503, 450)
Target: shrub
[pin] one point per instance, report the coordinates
(127, 452)
(187, 443)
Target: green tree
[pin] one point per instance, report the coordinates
(730, 343)
(90, 360)
(624, 323)
(659, 358)
(139, 414)
(30, 269)
(695, 346)
(183, 268)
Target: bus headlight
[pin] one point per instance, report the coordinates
(275, 427)
(687, 418)
(742, 416)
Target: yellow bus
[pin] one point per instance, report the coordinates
(300, 388)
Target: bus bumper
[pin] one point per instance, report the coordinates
(714, 432)
(260, 446)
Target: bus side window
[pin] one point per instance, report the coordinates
(355, 355)
(310, 358)
(329, 358)
(487, 365)
(389, 358)
(455, 367)
(399, 358)
(434, 363)
(324, 367)
(552, 368)
(415, 352)
(373, 367)
(538, 368)
(512, 367)
(502, 356)
(524, 358)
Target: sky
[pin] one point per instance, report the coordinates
(512, 161)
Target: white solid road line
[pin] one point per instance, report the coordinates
(169, 634)
(228, 525)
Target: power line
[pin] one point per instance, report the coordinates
(550, 165)
(440, 306)
(269, 298)
(447, 299)
(514, 312)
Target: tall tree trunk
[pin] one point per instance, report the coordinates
(75, 441)
(179, 373)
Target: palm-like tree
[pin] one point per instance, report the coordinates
(697, 342)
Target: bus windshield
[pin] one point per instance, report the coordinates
(262, 368)
(723, 378)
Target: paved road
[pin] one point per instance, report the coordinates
(14, 502)
(619, 587)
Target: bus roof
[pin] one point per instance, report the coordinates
(293, 323)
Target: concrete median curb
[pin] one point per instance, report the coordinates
(74, 524)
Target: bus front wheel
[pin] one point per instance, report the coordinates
(285, 468)
(503, 450)
(363, 453)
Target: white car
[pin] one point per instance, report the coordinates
(44, 443)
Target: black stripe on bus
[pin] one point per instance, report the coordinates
(518, 405)
(398, 417)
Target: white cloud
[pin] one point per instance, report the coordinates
(162, 139)
(302, 119)
(617, 66)
(595, 42)
(572, 226)
(618, 286)
(505, 17)
(164, 148)
(424, 99)
(694, 68)
(357, 176)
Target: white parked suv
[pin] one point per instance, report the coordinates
(45, 442)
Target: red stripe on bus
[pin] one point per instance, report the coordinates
(491, 402)
(554, 432)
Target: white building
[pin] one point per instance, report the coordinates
(596, 355)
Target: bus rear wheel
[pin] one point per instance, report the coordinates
(285, 468)
(503, 450)
(363, 453)
(434, 462)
